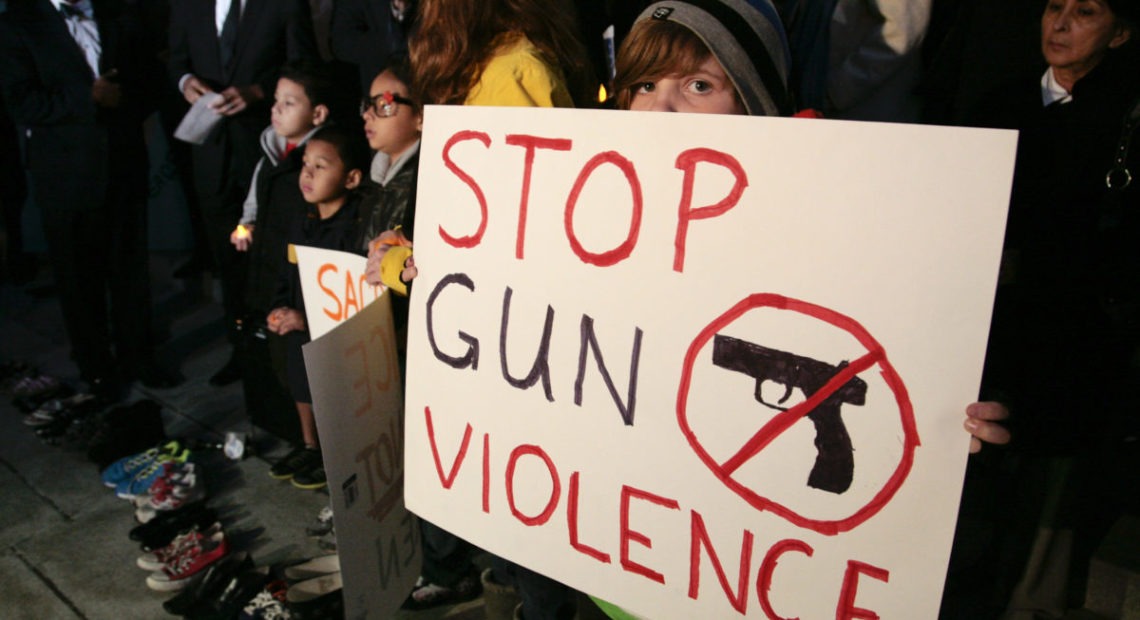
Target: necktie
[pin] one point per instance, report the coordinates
(227, 40)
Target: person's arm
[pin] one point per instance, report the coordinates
(902, 27)
(30, 101)
(179, 67)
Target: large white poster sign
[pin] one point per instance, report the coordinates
(333, 286)
(702, 366)
(355, 383)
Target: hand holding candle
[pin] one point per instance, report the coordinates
(242, 237)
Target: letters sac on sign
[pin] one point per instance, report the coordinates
(702, 366)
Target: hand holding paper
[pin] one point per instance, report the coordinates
(200, 120)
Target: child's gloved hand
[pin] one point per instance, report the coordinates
(283, 320)
(390, 261)
(242, 237)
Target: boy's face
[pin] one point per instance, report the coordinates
(323, 176)
(293, 114)
(394, 134)
(706, 90)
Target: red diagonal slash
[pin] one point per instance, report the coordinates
(785, 419)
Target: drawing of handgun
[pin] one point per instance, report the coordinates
(834, 465)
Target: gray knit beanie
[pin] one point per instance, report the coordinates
(747, 38)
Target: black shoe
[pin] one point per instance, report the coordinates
(229, 373)
(156, 377)
(311, 477)
(211, 586)
(159, 531)
(300, 459)
(238, 591)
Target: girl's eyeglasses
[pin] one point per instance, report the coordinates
(383, 105)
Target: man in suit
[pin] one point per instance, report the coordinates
(76, 81)
(365, 33)
(235, 48)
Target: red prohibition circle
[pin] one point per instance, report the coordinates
(875, 357)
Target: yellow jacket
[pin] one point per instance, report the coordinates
(518, 76)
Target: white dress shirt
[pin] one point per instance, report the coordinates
(85, 32)
(1051, 91)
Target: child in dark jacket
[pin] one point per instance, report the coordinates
(300, 108)
(333, 166)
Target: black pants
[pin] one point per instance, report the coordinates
(99, 259)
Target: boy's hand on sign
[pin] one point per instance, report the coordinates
(983, 422)
(242, 237)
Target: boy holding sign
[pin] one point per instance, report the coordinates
(681, 58)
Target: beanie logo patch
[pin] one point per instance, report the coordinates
(662, 12)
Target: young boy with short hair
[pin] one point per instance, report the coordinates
(301, 106)
(334, 162)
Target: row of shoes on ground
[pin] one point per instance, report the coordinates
(303, 466)
(234, 588)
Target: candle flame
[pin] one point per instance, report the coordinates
(602, 95)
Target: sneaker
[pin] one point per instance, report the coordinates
(300, 458)
(157, 559)
(315, 567)
(322, 525)
(269, 604)
(170, 493)
(426, 595)
(144, 479)
(313, 476)
(39, 390)
(319, 597)
(211, 586)
(180, 570)
(125, 468)
(159, 531)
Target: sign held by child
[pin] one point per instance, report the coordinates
(622, 320)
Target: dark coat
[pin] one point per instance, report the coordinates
(384, 207)
(364, 34)
(271, 33)
(47, 86)
(280, 205)
(1066, 324)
